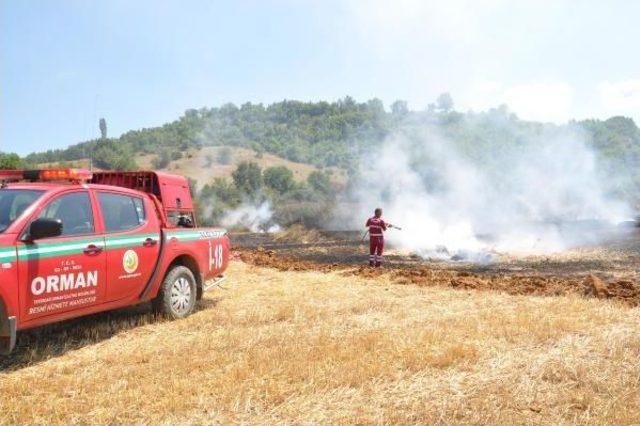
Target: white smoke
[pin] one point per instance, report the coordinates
(256, 218)
(514, 198)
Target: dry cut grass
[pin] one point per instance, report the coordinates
(305, 347)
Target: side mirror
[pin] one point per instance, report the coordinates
(45, 228)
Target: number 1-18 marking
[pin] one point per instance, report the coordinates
(215, 256)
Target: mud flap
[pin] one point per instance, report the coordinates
(7, 335)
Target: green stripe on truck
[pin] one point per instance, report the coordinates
(48, 250)
(190, 235)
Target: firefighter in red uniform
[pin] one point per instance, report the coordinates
(376, 226)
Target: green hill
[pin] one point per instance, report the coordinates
(322, 134)
(336, 134)
(309, 137)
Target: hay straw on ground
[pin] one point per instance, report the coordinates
(319, 347)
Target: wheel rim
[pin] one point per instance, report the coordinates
(181, 296)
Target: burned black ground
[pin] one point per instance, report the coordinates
(614, 260)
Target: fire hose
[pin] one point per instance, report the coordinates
(389, 226)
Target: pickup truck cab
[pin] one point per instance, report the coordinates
(74, 243)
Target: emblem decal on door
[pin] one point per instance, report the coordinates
(130, 261)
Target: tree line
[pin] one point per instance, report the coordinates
(335, 134)
(327, 133)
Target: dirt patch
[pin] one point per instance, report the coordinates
(595, 287)
(626, 290)
(511, 284)
(270, 259)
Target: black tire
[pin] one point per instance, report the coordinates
(177, 295)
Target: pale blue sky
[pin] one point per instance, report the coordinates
(64, 64)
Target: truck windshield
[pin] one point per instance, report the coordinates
(13, 202)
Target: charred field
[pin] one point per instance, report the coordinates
(612, 264)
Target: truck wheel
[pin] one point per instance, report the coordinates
(177, 296)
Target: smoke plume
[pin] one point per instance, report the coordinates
(468, 200)
(256, 218)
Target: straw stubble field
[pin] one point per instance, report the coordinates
(327, 347)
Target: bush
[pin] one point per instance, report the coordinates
(259, 149)
(278, 178)
(308, 214)
(10, 161)
(225, 156)
(247, 177)
(113, 156)
(162, 161)
(221, 191)
(320, 182)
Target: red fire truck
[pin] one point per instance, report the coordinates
(74, 243)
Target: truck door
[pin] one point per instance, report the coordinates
(132, 240)
(64, 273)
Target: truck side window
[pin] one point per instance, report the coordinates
(74, 210)
(180, 220)
(121, 212)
